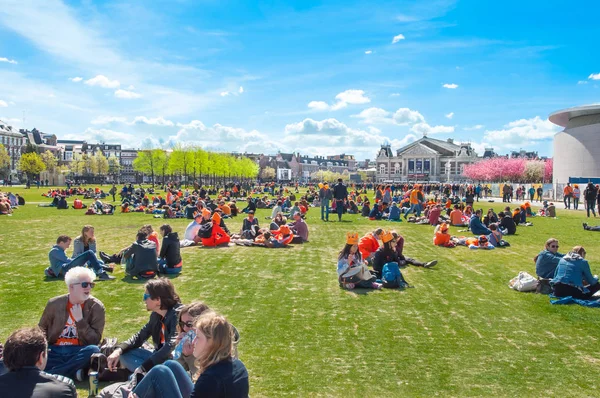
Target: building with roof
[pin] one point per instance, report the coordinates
(577, 147)
(127, 173)
(44, 142)
(13, 142)
(426, 159)
(69, 149)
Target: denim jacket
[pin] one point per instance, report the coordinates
(79, 248)
(572, 269)
(546, 263)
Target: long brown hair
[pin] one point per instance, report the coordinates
(83, 237)
(220, 337)
(163, 288)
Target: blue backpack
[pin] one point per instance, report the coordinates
(392, 277)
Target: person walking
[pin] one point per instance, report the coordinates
(325, 197)
(576, 196)
(567, 195)
(340, 195)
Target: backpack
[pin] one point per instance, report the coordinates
(392, 277)
(205, 230)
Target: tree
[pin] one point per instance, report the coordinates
(101, 163)
(31, 148)
(181, 161)
(31, 164)
(268, 173)
(4, 162)
(148, 161)
(114, 167)
(50, 161)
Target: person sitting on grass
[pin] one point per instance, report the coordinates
(84, 242)
(394, 214)
(366, 209)
(25, 356)
(507, 224)
(78, 204)
(169, 258)
(476, 226)
(141, 258)
(369, 244)
(219, 374)
(441, 237)
(573, 276)
(403, 261)
(385, 254)
(490, 218)
(60, 263)
(276, 209)
(457, 218)
(280, 238)
(163, 302)
(62, 203)
(191, 231)
(152, 236)
(496, 237)
(250, 226)
(352, 270)
(376, 212)
(299, 228)
(211, 233)
(73, 324)
(547, 260)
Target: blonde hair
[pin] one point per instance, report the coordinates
(579, 250)
(84, 238)
(220, 337)
(551, 241)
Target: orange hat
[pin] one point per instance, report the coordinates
(386, 237)
(351, 238)
(483, 239)
(206, 212)
(444, 227)
(284, 229)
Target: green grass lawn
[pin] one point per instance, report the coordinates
(459, 332)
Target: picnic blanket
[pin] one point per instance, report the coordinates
(572, 300)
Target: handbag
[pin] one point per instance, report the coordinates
(523, 282)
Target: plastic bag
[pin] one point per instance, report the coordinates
(523, 282)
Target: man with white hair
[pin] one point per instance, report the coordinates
(73, 324)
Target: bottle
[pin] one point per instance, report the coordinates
(93, 384)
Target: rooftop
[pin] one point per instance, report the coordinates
(562, 117)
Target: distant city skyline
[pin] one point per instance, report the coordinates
(315, 77)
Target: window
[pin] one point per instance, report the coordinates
(382, 169)
(397, 168)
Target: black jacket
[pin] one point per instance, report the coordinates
(382, 257)
(170, 249)
(141, 257)
(226, 379)
(508, 223)
(30, 382)
(162, 352)
(340, 192)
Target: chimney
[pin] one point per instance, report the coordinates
(450, 141)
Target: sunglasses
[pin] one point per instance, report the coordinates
(146, 296)
(85, 285)
(184, 324)
(554, 246)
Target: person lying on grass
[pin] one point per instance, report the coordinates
(163, 303)
(403, 261)
(573, 276)
(73, 324)
(352, 270)
(60, 263)
(218, 373)
(475, 243)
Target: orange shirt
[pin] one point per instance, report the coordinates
(69, 333)
(441, 239)
(414, 197)
(456, 217)
(368, 244)
(567, 190)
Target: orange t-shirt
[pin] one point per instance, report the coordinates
(154, 238)
(69, 333)
(441, 239)
(568, 190)
(456, 217)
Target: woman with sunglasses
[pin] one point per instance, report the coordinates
(547, 260)
(218, 373)
(160, 298)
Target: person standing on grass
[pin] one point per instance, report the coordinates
(73, 324)
(567, 195)
(573, 276)
(590, 195)
(531, 193)
(163, 303)
(60, 263)
(325, 197)
(340, 194)
(25, 356)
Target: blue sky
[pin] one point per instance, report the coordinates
(318, 77)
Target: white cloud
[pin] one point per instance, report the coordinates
(426, 129)
(594, 76)
(102, 81)
(368, 52)
(449, 115)
(476, 127)
(76, 79)
(582, 82)
(3, 104)
(522, 132)
(131, 87)
(354, 97)
(124, 94)
(450, 86)
(318, 105)
(104, 135)
(394, 94)
(194, 124)
(397, 38)
(402, 117)
(156, 121)
(108, 120)
(373, 130)
(10, 61)
(224, 93)
(241, 90)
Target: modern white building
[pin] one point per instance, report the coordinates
(577, 147)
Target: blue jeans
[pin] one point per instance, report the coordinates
(325, 210)
(163, 269)
(82, 260)
(66, 360)
(414, 208)
(167, 380)
(133, 359)
(591, 206)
